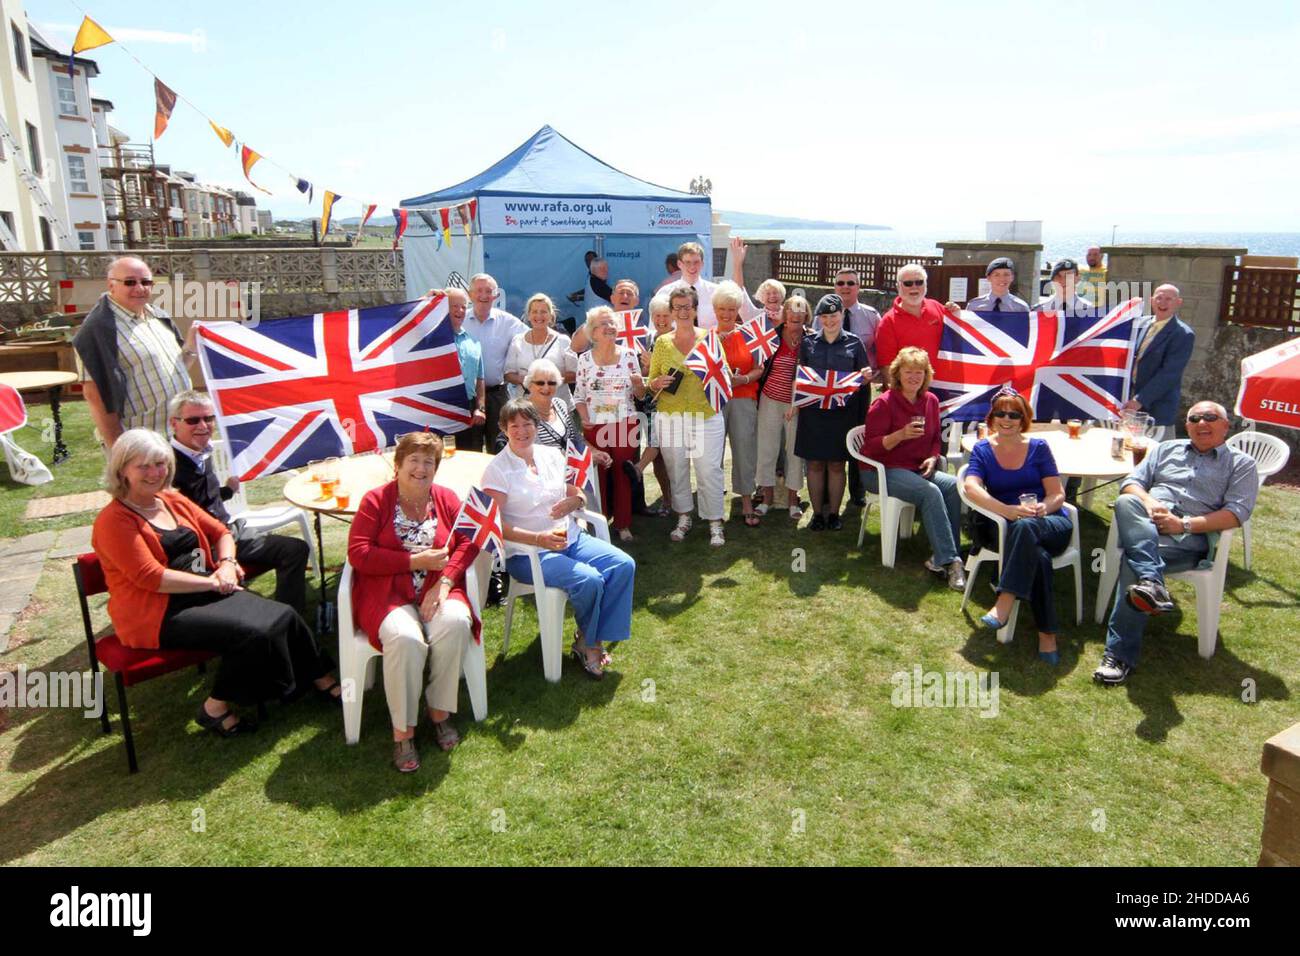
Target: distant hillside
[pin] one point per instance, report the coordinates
(758, 220)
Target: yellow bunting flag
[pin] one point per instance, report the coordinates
(90, 36)
(330, 199)
(249, 157)
(165, 102)
(223, 134)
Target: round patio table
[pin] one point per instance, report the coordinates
(1088, 456)
(50, 381)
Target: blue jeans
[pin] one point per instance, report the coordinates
(1142, 557)
(596, 576)
(938, 501)
(1027, 563)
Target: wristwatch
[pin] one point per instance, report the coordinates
(234, 561)
(1187, 525)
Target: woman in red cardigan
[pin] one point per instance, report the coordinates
(408, 592)
(173, 582)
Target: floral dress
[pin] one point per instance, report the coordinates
(416, 536)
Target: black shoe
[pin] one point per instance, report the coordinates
(859, 501)
(1111, 671)
(1150, 597)
(818, 523)
(834, 522)
(498, 585)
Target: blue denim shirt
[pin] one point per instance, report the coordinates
(471, 361)
(1199, 483)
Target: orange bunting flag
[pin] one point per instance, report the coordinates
(330, 200)
(445, 216)
(165, 102)
(223, 134)
(250, 157)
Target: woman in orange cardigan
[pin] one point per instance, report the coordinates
(173, 583)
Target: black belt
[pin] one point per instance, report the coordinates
(497, 388)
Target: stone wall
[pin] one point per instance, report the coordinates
(1026, 255)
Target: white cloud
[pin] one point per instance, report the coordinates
(66, 32)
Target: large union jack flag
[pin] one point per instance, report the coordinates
(1067, 366)
(709, 362)
(629, 330)
(291, 390)
(829, 389)
(480, 521)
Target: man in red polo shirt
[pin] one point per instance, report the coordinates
(913, 320)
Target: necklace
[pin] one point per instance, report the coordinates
(139, 509)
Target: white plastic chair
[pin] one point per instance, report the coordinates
(262, 519)
(1271, 455)
(1208, 583)
(551, 602)
(357, 657)
(896, 515)
(1070, 557)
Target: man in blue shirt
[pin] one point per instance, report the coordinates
(1181, 491)
(471, 368)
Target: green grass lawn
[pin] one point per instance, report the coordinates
(749, 721)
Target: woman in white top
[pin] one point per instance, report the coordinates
(608, 380)
(540, 341)
(529, 485)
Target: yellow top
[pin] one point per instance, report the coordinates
(689, 396)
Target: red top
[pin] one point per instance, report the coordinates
(889, 413)
(133, 559)
(899, 329)
(741, 361)
(381, 566)
(780, 379)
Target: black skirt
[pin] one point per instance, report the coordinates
(822, 432)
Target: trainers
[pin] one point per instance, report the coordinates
(818, 523)
(957, 576)
(1150, 597)
(1111, 671)
(834, 522)
(716, 538)
(683, 526)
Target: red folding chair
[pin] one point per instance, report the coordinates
(128, 665)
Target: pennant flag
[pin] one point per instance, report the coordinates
(290, 391)
(577, 466)
(328, 210)
(165, 102)
(830, 389)
(399, 226)
(370, 211)
(445, 216)
(89, 36)
(709, 362)
(305, 187)
(760, 339)
(480, 521)
(1067, 366)
(249, 158)
(629, 332)
(473, 209)
(463, 217)
(223, 134)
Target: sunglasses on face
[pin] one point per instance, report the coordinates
(193, 420)
(845, 282)
(1208, 417)
(132, 283)
(548, 384)
(1007, 413)
(911, 283)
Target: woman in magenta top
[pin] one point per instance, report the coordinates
(909, 449)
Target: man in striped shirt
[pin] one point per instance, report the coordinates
(132, 353)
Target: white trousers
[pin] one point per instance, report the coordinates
(408, 642)
(771, 423)
(686, 438)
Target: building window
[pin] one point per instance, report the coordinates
(8, 219)
(67, 96)
(20, 50)
(87, 240)
(77, 181)
(34, 148)
(47, 236)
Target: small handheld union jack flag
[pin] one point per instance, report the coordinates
(708, 361)
(577, 469)
(480, 519)
(760, 339)
(829, 389)
(629, 331)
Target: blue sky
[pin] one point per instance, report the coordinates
(918, 115)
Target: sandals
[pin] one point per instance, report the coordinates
(217, 724)
(445, 733)
(761, 508)
(683, 526)
(625, 534)
(595, 669)
(752, 520)
(405, 757)
(328, 693)
(795, 512)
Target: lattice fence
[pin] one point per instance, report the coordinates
(1269, 298)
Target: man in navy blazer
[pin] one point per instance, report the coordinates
(1165, 344)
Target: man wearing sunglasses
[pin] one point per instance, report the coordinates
(193, 421)
(914, 319)
(1182, 491)
(133, 354)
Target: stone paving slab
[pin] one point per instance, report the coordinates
(71, 542)
(66, 504)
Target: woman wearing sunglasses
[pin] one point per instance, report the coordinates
(1004, 469)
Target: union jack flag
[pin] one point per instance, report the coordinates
(480, 521)
(629, 330)
(291, 390)
(1067, 366)
(709, 362)
(577, 470)
(760, 339)
(829, 389)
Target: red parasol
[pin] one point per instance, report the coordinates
(1270, 386)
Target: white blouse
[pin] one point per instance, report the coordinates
(607, 389)
(530, 496)
(556, 348)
